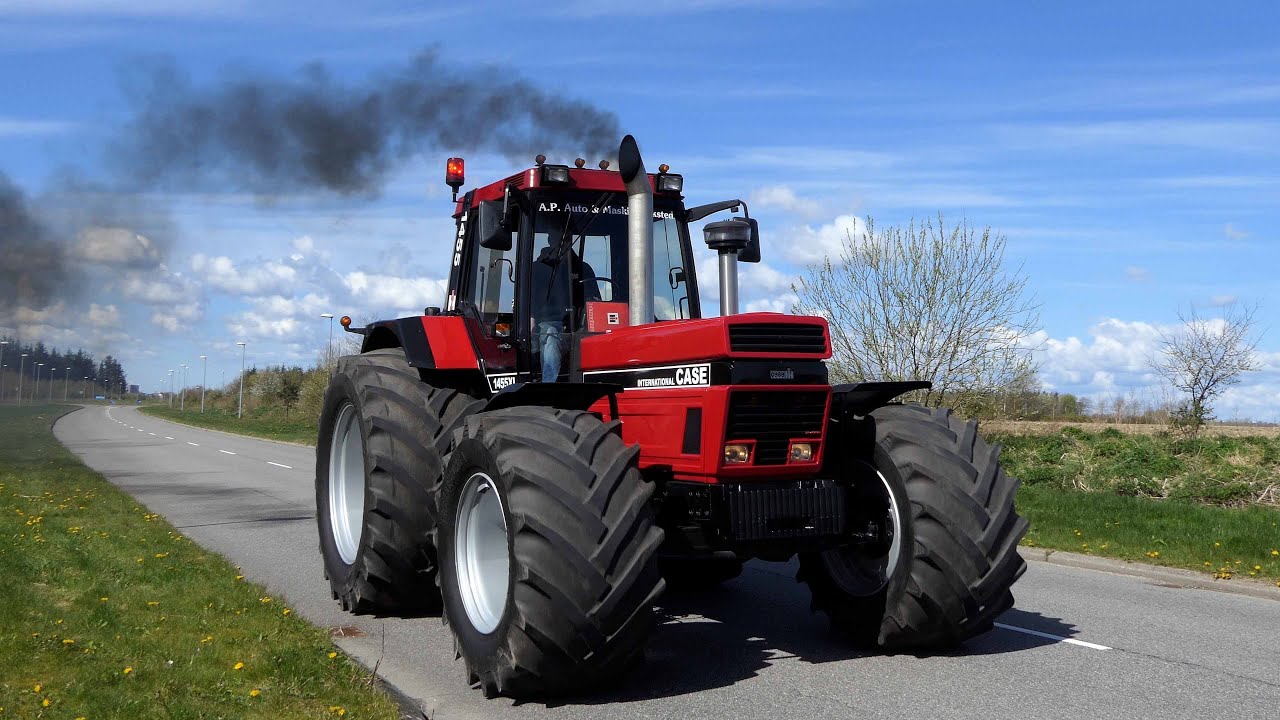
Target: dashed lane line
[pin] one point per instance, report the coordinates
(227, 452)
(286, 467)
(191, 443)
(1047, 636)
(166, 437)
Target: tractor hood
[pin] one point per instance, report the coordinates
(771, 336)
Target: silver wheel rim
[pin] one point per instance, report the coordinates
(346, 484)
(859, 573)
(481, 556)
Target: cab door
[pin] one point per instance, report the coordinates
(487, 302)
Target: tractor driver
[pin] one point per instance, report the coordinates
(553, 301)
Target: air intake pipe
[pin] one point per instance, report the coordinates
(639, 232)
(728, 238)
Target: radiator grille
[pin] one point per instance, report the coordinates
(772, 418)
(777, 338)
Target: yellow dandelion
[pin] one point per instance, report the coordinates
(286, 611)
(1217, 544)
(37, 688)
(239, 577)
(152, 603)
(237, 666)
(333, 655)
(45, 702)
(68, 641)
(264, 600)
(162, 555)
(1257, 567)
(255, 692)
(1275, 553)
(206, 640)
(103, 599)
(127, 670)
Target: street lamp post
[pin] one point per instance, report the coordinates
(35, 391)
(329, 355)
(66, 384)
(84, 393)
(182, 404)
(22, 364)
(204, 378)
(170, 389)
(243, 348)
(2, 344)
(52, 370)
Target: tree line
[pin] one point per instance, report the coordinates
(69, 367)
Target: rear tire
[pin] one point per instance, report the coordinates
(949, 575)
(562, 494)
(392, 429)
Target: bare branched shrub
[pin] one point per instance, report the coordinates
(921, 303)
(1204, 357)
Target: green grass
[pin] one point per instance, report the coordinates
(263, 423)
(1228, 542)
(1217, 470)
(109, 612)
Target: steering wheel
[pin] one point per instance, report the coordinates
(614, 284)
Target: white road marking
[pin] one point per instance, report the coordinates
(1037, 633)
(152, 434)
(286, 467)
(227, 452)
(166, 437)
(191, 443)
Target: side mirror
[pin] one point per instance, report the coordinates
(751, 253)
(494, 234)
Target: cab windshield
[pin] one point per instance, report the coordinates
(582, 241)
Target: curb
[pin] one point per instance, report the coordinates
(224, 432)
(1175, 577)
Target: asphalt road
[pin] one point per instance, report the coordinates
(1135, 649)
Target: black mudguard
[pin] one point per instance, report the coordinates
(406, 333)
(562, 396)
(858, 399)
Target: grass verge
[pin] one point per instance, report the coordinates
(109, 612)
(1227, 542)
(259, 423)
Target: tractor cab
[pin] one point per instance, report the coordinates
(544, 258)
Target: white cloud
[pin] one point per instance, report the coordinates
(158, 287)
(254, 326)
(11, 127)
(388, 291)
(1137, 274)
(103, 316)
(1222, 300)
(784, 198)
(173, 318)
(262, 278)
(1232, 233)
(807, 244)
(116, 246)
(277, 306)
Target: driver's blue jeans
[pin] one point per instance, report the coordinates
(549, 340)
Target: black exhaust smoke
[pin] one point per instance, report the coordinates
(268, 136)
(34, 270)
(311, 131)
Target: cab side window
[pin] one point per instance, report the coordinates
(492, 290)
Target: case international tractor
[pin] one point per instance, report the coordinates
(568, 436)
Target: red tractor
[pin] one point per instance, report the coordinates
(569, 435)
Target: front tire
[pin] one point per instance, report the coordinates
(383, 434)
(547, 550)
(947, 573)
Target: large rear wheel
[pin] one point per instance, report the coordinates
(547, 551)
(949, 557)
(379, 457)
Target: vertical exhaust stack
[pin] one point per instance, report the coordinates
(728, 238)
(639, 232)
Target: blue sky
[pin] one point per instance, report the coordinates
(1128, 154)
